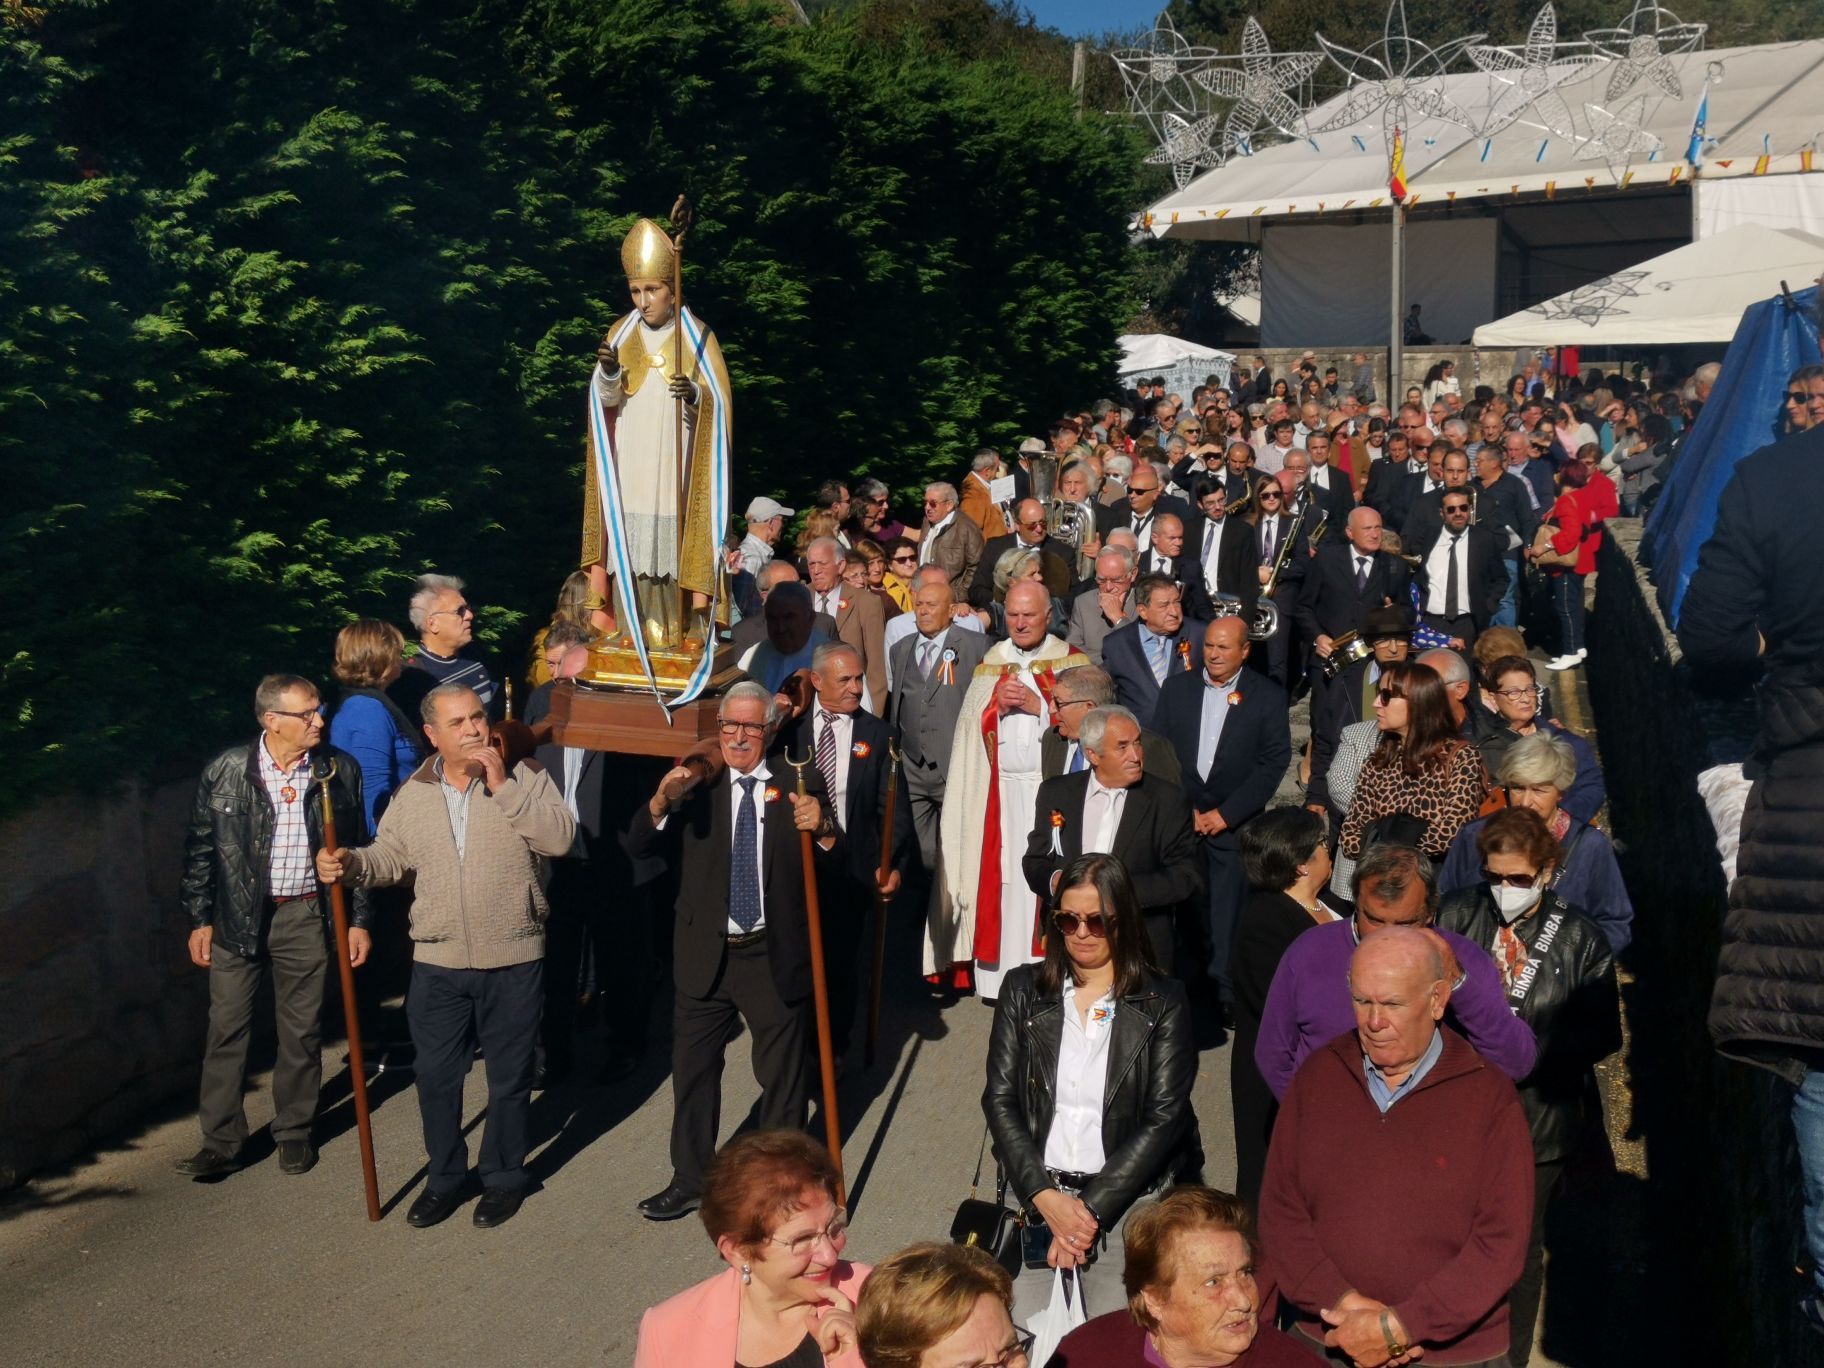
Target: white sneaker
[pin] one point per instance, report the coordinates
(1563, 662)
(1583, 653)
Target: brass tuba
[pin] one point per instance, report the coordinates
(1070, 523)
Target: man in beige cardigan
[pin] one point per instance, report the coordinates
(471, 837)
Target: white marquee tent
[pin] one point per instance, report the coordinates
(1694, 294)
(1523, 214)
(1185, 365)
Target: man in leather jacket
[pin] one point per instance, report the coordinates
(255, 909)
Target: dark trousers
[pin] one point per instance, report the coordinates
(700, 1031)
(297, 956)
(1159, 936)
(1523, 1301)
(574, 898)
(1227, 888)
(845, 924)
(1567, 608)
(1462, 625)
(449, 1010)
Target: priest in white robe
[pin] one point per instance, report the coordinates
(987, 916)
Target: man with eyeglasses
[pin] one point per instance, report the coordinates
(1056, 559)
(446, 626)
(256, 912)
(1080, 689)
(1145, 501)
(1106, 604)
(947, 538)
(741, 949)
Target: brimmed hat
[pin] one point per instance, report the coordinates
(1394, 620)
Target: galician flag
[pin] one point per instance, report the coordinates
(1396, 176)
(1694, 153)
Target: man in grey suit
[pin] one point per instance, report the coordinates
(1079, 691)
(931, 671)
(1109, 604)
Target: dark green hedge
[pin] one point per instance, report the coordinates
(297, 300)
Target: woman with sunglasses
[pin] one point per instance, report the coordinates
(1559, 977)
(1421, 775)
(1802, 401)
(1536, 773)
(1090, 1067)
(787, 1297)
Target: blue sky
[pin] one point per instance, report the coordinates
(1078, 18)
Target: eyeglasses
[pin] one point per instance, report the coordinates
(732, 729)
(1266, 494)
(1796, 396)
(1016, 1355)
(463, 611)
(1456, 508)
(1387, 695)
(1068, 922)
(1064, 703)
(802, 1245)
(304, 716)
(1510, 880)
(1110, 582)
(1530, 691)
(906, 558)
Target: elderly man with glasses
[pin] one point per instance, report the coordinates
(741, 940)
(445, 623)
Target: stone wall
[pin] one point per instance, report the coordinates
(101, 1012)
(1723, 1204)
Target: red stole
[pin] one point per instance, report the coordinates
(988, 877)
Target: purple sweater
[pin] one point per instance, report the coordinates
(1308, 1006)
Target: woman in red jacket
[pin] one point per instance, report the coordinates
(1586, 498)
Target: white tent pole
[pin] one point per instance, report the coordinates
(1394, 389)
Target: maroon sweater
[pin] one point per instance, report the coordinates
(1115, 1341)
(1427, 1208)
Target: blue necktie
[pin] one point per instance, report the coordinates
(1076, 759)
(744, 870)
(1156, 657)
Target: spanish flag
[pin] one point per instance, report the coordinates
(1396, 176)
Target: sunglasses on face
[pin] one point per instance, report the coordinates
(1795, 396)
(1510, 880)
(1387, 695)
(1068, 922)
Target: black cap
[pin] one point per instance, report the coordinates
(1394, 620)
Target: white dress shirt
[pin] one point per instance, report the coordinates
(925, 543)
(903, 625)
(764, 775)
(844, 726)
(1320, 477)
(1074, 1143)
(829, 601)
(1213, 557)
(1141, 524)
(1437, 572)
(1102, 808)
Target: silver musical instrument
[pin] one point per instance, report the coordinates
(1266, 612)
(1345, 650)
(1073, 524)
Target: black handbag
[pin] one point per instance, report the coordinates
(1396, 828)
(988, 1225)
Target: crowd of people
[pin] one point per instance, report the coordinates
(1053, 715)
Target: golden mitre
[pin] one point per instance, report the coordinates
(647, 253)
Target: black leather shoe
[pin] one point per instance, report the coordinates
(432, 1208)
(297, 1156)
(618, 1067)
(208, 1163)
(497, 1206)
(670, 1204)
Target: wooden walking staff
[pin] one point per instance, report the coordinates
(681, 216)
(881, 899)
(351, 1016)
(820, 991)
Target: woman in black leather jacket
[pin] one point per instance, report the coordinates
(1560, 978)
(1080, 1141)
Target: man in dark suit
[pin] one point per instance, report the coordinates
(1161, 643)
(1114, 808)
(580, 922)
(1504, 506)
(1079, 690)
(1424, 515)
(1326, 486)
(1461, 577)
(1058, 560)
(1145, 502)
(1280, 538)
(931, 671)
(1387, 487)
(1345, 579)
(741, 942)
(850, 749)
(1221, 552)
(1228, 726)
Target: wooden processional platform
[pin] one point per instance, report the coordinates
(631, 721)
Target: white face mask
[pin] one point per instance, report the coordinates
(1514, 903)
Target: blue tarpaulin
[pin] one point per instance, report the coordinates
(1742, 415)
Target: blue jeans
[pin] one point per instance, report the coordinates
(1567, 607)
(1507, 615)
(1808, 1124)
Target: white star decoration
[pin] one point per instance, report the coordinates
(1262, 89)
(1396, 81)
(1185, 147)
(1644, 48)
(1527, 77)
(1160, 92)
(1590, 304)
(1615, 137)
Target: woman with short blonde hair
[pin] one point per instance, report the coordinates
(936, 1304)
